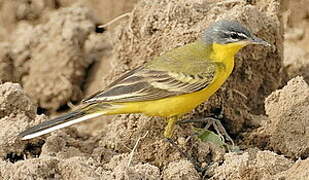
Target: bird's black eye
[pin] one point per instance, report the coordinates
(238, 36)
(235, 36)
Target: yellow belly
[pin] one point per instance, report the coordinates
(174, 105)
(179, 105)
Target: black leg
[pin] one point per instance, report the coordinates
(210, 121)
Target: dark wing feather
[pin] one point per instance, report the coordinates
(144, 84)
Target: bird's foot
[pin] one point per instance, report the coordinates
(217, 125)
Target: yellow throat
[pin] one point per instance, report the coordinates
(224, 52)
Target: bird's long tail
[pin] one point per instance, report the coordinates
(79, 115)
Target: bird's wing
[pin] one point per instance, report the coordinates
(144, 84)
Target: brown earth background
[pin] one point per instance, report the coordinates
(53, 54)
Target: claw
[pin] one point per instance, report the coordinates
(210, 121)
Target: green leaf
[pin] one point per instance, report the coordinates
(209, 136)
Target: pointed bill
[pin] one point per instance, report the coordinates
(256, 40)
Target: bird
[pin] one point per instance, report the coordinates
(169, 85)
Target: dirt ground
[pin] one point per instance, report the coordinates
(53, 54)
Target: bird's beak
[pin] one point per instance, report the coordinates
(256, 40)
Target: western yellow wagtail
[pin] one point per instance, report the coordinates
(168, 86)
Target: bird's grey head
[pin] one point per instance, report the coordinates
(225, 31)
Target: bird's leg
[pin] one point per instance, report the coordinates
(216, 123)
(169, 129)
